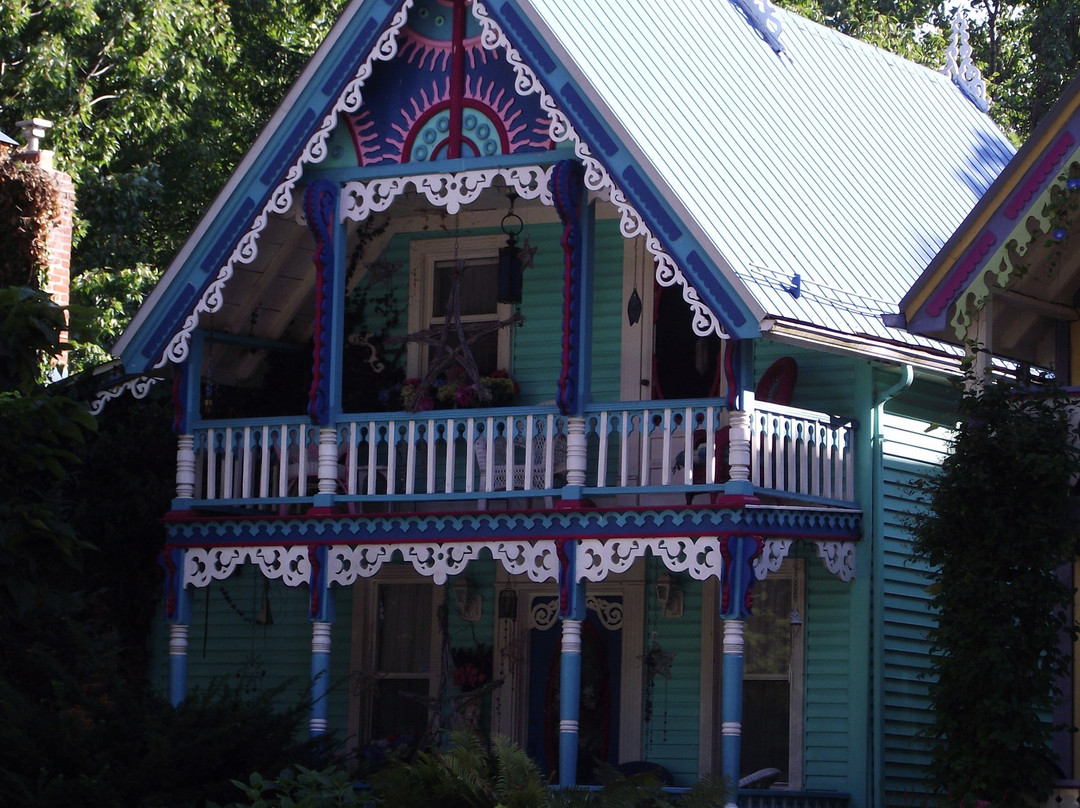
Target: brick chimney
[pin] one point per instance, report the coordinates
(58, 276)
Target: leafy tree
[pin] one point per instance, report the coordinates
(39, 432)
(153, 104)
(996, 532)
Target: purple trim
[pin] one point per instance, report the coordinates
(737, 580)
(567, 187)
(959, 277)
(179, 399)
(1038, 177)
(320, 203)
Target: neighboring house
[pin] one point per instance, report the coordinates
(707, 208)
(1008, 280)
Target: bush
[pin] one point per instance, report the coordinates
(996, 532)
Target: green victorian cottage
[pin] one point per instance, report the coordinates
(530, 375)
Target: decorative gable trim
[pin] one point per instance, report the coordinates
(597, 178)
(762, 15)
(280, 200)
(960, 67)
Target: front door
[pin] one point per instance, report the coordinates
(601, 675)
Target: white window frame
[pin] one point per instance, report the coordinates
(793, 569)
(423, 256)
(365, 607)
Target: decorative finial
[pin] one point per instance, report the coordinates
(959, 66)
(762, 15)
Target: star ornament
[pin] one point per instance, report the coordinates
(526, 255)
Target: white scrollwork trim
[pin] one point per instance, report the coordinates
(597, 178)
(539, 560)
(700, 558)
(139, 388)
(610, 612)
(598, 558)
(451, 191)
(961, 68)
(440, 561)
(290, 564)
(348, 563)
(281, 199)
(543, 613)
(839, 558)
(772, 556)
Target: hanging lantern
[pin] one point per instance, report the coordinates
(510, 269)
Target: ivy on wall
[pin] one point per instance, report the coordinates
(28, 207)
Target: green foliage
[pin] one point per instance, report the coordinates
(39, 432)
(300, 787)
(28, 204)
(996, 531)
(468, 776)
(153, 104)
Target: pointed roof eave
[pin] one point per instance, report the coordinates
(203, 265)
(709, 276)
(980, 246)
(276, 150)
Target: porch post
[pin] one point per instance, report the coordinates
(571, 615)
(731, 706)
(740, 401)
(177, 618)
(738, 554)
(320, 676)
(321, 612)
(569, 701)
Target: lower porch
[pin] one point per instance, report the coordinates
(469, 628)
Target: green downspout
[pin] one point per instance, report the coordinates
(877, 623)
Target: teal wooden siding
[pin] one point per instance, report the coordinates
(829, 691)
(537, 343)
(670, 736)
(910, 452)
(825, 381)
(226, 645)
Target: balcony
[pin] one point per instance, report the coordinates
(620, 454)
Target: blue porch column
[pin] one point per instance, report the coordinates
(178, 619)
(324, 397)
(571, 615)
(321, 613)
(738, 553)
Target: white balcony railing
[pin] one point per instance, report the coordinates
(636, 448)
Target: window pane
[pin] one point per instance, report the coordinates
(403, 641)
(765, 726)
(400, 706)
(768, 631)
(479, 287)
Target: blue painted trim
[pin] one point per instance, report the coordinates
(585, 305)
(731, 712)
(344, 174)
(268, 167)
(178, 664)
(320, 689)
(715, 290)
(177, 680)
(569, 710)
(190, 529)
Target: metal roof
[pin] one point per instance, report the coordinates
(833, 160)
